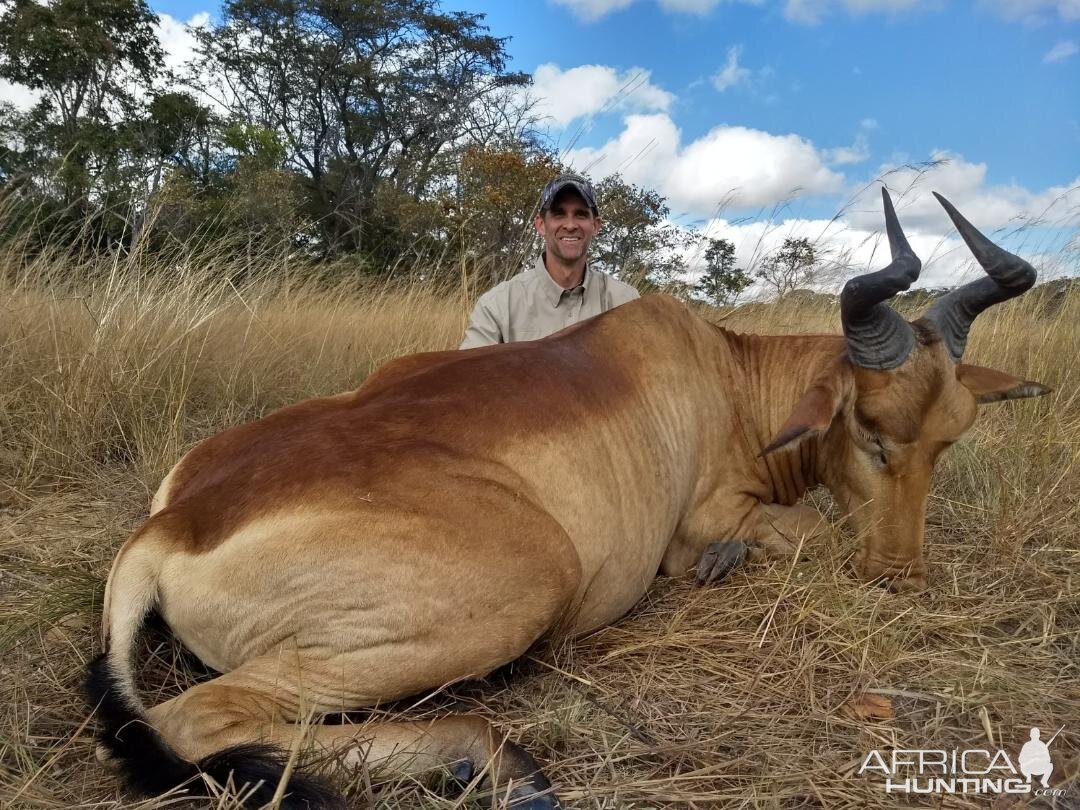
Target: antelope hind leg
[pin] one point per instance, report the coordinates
(258, 704)
(469, 746)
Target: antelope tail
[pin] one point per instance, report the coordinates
(148, 763)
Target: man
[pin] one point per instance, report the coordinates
(559, 289)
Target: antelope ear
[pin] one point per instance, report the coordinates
(991, 385)
(817, 408)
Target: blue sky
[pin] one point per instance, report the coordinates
(957, 76)
(760, 119)
(763, 119)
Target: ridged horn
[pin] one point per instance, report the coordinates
(877, 337)
(1007, 276)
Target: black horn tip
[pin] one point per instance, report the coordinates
(1008, 269)
(958, 219)
(974, 238)
(898, 243)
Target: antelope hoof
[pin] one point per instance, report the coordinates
(534, 796)
(463, 771)
(532, 792)
(719, 559)
(915, 583)
(910, 578)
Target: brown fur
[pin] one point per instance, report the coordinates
(436, 522)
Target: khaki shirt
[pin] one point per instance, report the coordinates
(531, 305)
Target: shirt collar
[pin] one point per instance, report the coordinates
(552, 291)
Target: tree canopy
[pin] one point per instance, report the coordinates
(793, 265)
(382, 135)
(721, 281)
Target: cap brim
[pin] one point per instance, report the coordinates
(574, 186)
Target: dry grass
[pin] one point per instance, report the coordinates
(733, 697)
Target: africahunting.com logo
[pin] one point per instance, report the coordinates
(974, 770)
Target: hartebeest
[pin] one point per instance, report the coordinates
(435, 523)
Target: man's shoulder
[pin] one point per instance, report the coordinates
(622, 286)
(524, 278)
(618, 291)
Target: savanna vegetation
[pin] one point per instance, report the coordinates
(762, 693)
(172, 266)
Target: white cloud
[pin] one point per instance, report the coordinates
(844, 250)
(1033, 224)
(689, 6)
(808, 12)
(965, 185)
(885, 6)
(869, 123)
(1033, 11)
(1061, 52)
(811, 12)
(176, 38)
(564, 95)
(592, 10)
(856, 153)
(726, 166)
(731, 73)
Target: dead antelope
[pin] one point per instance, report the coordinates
(432, 525)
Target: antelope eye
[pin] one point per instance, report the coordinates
(874, 445)
(879, 454)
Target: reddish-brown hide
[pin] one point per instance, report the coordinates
(435, 523)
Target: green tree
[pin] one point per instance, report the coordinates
(90, 60)
(178, 139)
(230, 190)
(637, 242)
(491, 208)
(361, 96)
(794, 264)
(721, 282)
(183, 133)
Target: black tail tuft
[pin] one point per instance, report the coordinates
(253, 763)
(150, 766)
(148, 763)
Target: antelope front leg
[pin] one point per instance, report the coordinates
(779, 530)
(770, 531)
(719, 559)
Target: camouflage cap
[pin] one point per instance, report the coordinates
(579, 184)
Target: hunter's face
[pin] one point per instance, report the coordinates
(568, 227)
